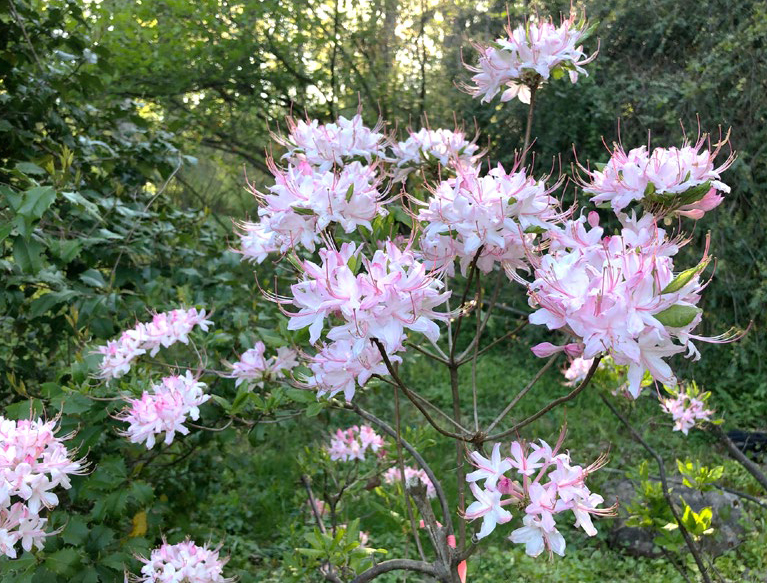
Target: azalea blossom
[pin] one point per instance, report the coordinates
(494, 215)
(487, 506)
(165, 329)
(164, 410)
(184, 562)
(392, 293)
(578, 369)
(333, 144)
(684, 180)
(394, 476)
(686, 410)
(425, 147)
(536, 538)
(530, 53)
(352, 443)
(33, 463)
(546, 485)
(618, 295)
(490, 469)
(252, 365)
(339, 368)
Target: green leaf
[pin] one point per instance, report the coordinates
(14, 198)
(677, 316)
(76, 530)
(694, 194)
(79, 200)
(314, 409)
(300, 396)
(685, 277)
(47, 301)
(93, 278)
(30, 168)
(223, 403)
(63, 561)
(26, 254)
(5, 230)
(36, 201)
(67, 249)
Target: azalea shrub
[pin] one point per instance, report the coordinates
(384, 247)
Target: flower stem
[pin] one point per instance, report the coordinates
(529, 128)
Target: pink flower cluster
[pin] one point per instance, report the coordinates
(339, 367)
(253, 367)
(617, 295)
(394, 476)
(325, 183)
(352, 443)
(494, 212)
(686, 411)
(529, 53)
(184, 562)
(426, 147)
(33, 462)
(392, 294)
(547, 485)
(578, 369)
(682, 180)
(333, 144)
(164, 410)
(165, 329)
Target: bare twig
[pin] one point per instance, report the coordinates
(409, 395)
(313, 503)
(555, 403)
(426, 352)
(529, 128)
(446, 515)
(490, 305)
(401, 465)
(495, 342)
(739, 456)
(523, 392)
(460, 472)
(395, 565)
(462, 311)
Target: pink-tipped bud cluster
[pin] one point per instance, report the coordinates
(165, 329)
(394, 476)
(164, 410)
(498, 212)
(545, 484)
(33, 462)
(531, 53)
(428, 147)
(253, 367)
(352, 443)
(618, 295)
(184, 562)
(686, 410)
(377, 298)
(683, 180)
(333, 144)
